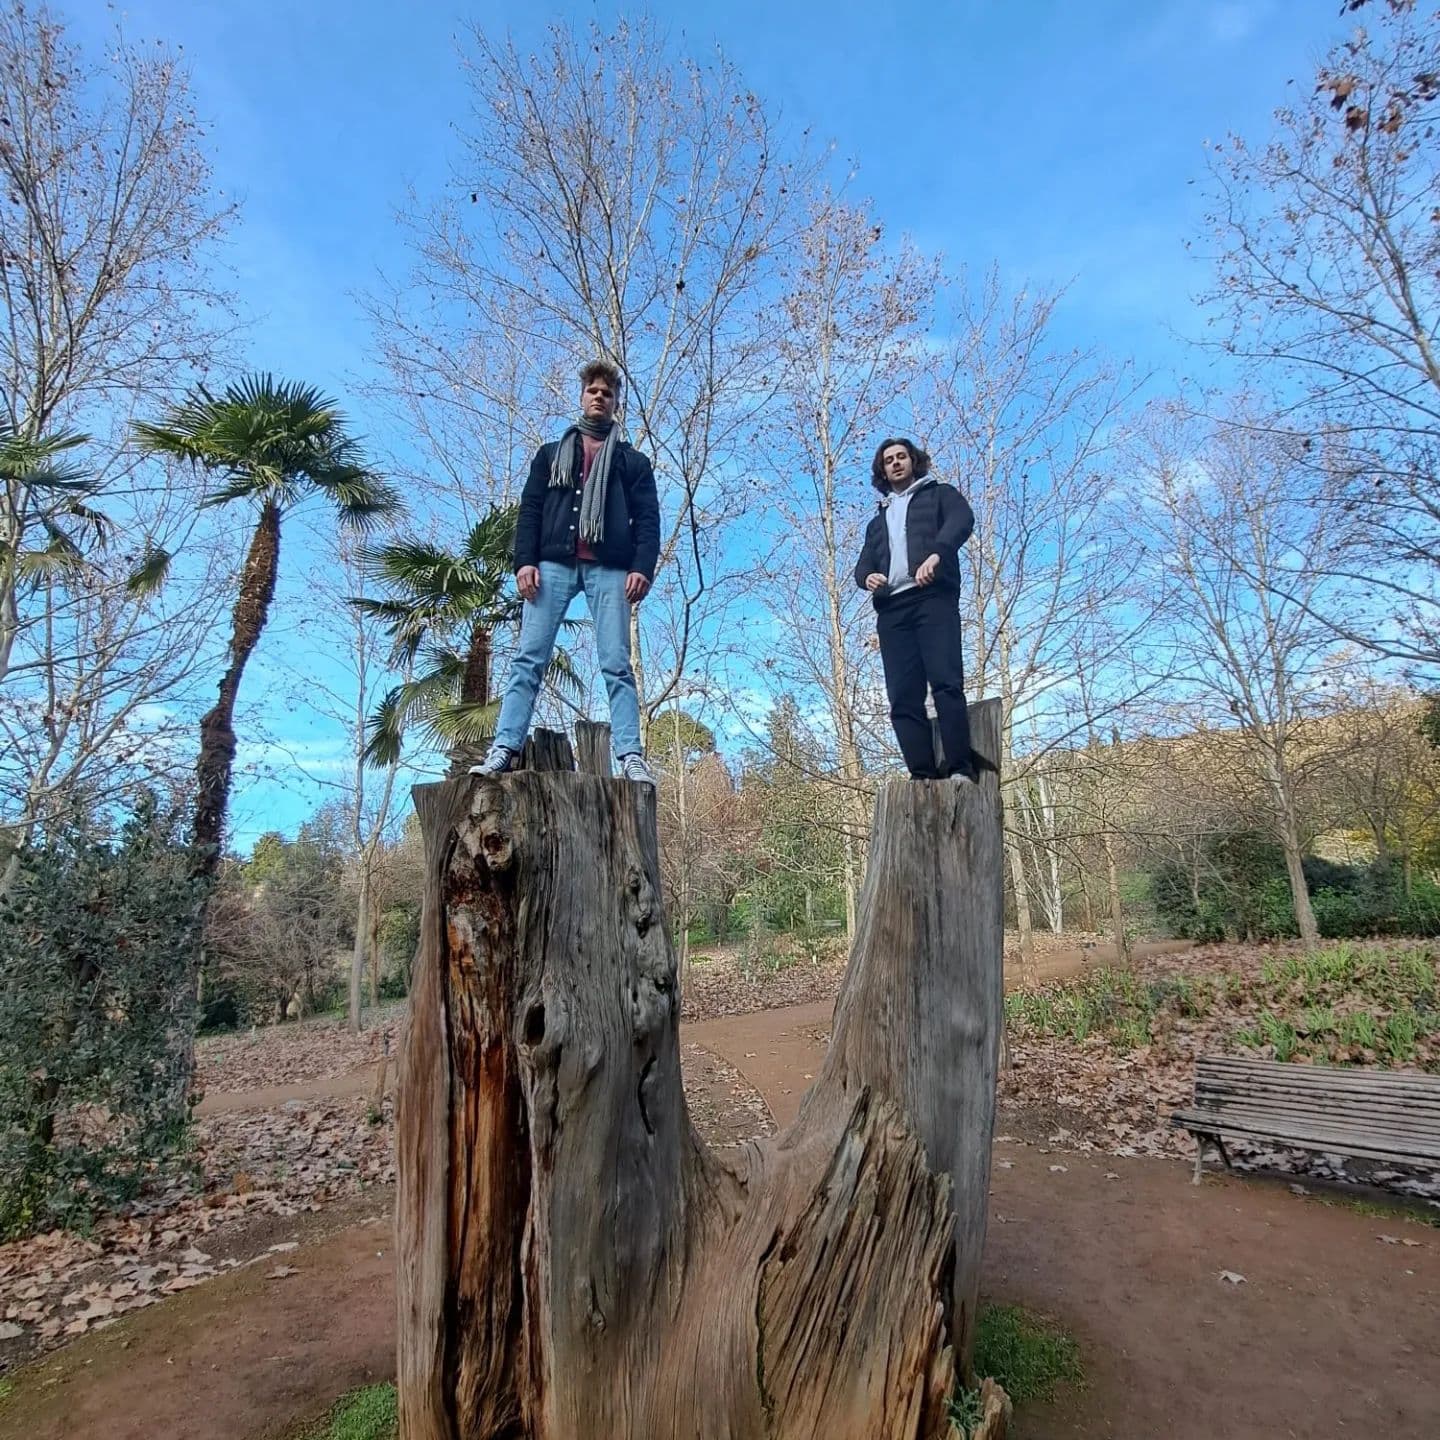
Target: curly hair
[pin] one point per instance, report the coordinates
(602, 370)
(918, 458)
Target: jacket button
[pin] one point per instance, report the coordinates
(572, 527)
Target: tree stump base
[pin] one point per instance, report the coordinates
(572, 1260)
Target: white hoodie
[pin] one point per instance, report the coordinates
(897, 506)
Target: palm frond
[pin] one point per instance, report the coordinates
(385, 732)
(465, 724)
(35, 463)
(99, 525)
(420, 697)
(239, 489)
(492, 538)
(272, 437)
(561, 672)
(150, 575)
(360, 498)
(394, 612)
(58, 557)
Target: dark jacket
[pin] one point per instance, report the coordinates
(938, 522)
(550, 518)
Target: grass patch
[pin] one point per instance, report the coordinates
(1025, 1354)
(7, 1388)
(1375, 1210)
(366, 1414)
(1347, 1005)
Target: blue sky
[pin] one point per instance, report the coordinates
(1063, 140)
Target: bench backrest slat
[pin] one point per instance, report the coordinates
(1392, 1106)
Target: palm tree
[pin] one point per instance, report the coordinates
(38, 491)
(443, 610)
(273, 443)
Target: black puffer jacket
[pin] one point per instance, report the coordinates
(550, 518)
(939, 521)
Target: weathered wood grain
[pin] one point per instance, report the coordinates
(572, 1260)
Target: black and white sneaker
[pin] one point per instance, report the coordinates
(633, 767)
(497, 762)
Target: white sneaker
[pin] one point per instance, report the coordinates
(633, 767)
(497, 762)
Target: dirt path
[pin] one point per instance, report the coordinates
(238, 1358)
(784, 1058)
(1333, 1330)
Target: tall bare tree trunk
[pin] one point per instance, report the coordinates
(823, 1283)
(637, 664)
(1117, 908)
(1019, 884)
(1277, 773)
(1299, 888)
(682, 792)
(375, 957)
(842, 712)
(362, 939)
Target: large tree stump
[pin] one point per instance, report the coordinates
(573, 1262)
(592, 747)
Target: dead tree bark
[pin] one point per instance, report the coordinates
(592, 747)
(572, 1259)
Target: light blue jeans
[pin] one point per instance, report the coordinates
(604, 589)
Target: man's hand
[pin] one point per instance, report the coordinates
(926, 573)
(637, 587)
(876, 581)
(527, 581)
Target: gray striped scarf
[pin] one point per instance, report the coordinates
(562, 473)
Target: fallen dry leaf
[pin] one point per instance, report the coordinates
(1232, 1277)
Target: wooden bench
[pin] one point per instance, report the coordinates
(1387, 1115)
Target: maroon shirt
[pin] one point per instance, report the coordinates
(589, 449)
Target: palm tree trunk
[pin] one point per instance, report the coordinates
(475, 686)
(217, 734)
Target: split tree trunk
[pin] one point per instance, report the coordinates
(572, 1259)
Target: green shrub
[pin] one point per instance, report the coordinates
(1338, 913)
(1244, 894)
(1399, 1034)
(1360, 1029)
(96, 1019)
(1278, 1034)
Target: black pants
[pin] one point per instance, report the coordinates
(920, 643)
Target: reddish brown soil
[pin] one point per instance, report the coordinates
(1332, 1332)
(241, 1356)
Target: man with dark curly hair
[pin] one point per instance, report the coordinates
(589, 520)
(910, 564)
